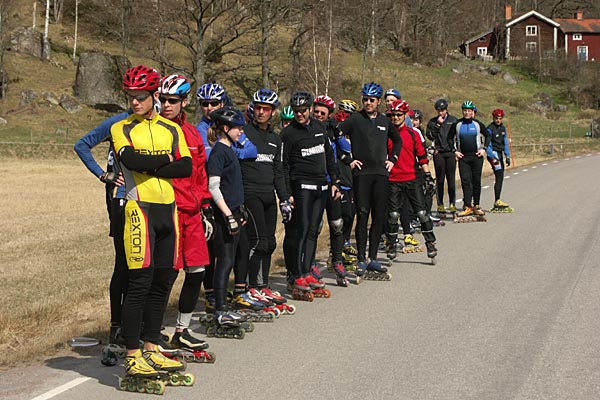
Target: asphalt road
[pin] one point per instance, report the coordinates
(510, 311)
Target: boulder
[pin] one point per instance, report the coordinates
(494, 70)
(560, 108)
(27, 97)
(98, 81)
(508, 78)
(69, 104)
(457, 70)
(3, 121)
(28, 41)
(596, 128)
(51, 98)
(545, 100)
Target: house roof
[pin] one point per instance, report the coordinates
(474, 38)
(572, 25)
(532, 14)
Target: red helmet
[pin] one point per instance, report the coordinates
(498, 112)
(325, 101)
(141, 78)
(341, 116)
(399, 105)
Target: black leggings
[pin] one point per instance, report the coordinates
(225, 251)
(499, 177)
(336, 227)
(118, 281)
(262, 208)
(309, 205)
(371, 198)
(445, 168)
(401, 195)
(470, 167)
(348, 212)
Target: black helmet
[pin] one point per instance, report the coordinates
(229, 116)
(418, 114)
(300, 99)
(441, 104)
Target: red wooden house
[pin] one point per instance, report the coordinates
(581, 37)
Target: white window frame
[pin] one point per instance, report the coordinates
(531, 46)
(531, 30)
(586, 52)
(577, 36)
(482, 51)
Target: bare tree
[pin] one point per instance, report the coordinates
(6, 9)
(57, 10)
(46, 49)
(75, 34)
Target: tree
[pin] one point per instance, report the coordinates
(7, 8)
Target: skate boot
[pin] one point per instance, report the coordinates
(478, 211)
(349, 261)
(173, 368)
(315, 272)
(184, 340)
(431, 251)
(470, 214)
(350, 250)
(441, 209)
(411, 245)
(361, 268)
(437, 221)
(141, 377)
(501, 207)
(184, 354)
(209, 302)
(391, 250)
(280, 301)
(268, 305)
(115, 348)
(452, 209)
(301, 289)
(252, 310)
(466, 212)
(376, 272)
(317, 287)
(340, 274)
(226, 325)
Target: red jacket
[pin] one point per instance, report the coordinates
(192, 192)
(412, 151)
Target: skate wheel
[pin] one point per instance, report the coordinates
(291, 309)
(210, 357)
(241, 334)
(188, 379)
(433, 261)
(276, 312)
(326, 293)
(159, 388)
(388, 277)
(122, 384)
(131, 386)
(175, 380)
(358, 280)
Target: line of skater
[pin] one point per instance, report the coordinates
(205, 199)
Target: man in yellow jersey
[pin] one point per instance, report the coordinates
(150, 150)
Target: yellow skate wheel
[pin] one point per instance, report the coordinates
(122, 384)
(174, 380)
(188, 379)
(160, 387)
(141, 387)
(131, 386)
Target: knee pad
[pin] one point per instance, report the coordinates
(422, 215)
(393, 217)
(362, 212)
(337, 225)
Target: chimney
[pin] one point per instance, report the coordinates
(508, 12)
(579, 15)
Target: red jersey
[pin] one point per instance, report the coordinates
(192, 191)
(411, 155)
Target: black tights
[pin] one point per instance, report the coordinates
(371, 198)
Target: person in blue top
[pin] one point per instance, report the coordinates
(469, 138)
(498, 145)
(115, 193)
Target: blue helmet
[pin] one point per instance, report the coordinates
(211, 91)
(393, 92)
(250, 111)
(372, 89)
(228, 115)
(266, 96)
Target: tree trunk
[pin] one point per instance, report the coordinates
(57, 10)
(265, 17)
(46, 50)
(125, 14)
(75, 34)
(314, 37)
(328, 72)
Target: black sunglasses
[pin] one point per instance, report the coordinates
(316, 112)
(395, 114)
(300, 110)
(170, 100)
(213, 103)
(369, 100)
(139, 97)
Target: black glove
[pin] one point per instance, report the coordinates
(232, 225)
(243, 214)
(109, 177)
(508, 161)
(286, 211)
(208, 222)
(429, 181)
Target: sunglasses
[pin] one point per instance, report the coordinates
(213, 103)
(320, 112)
(258, 107)
(170, 100)
(369, 100)
(397, 115)
(138, 97)
(300, 110)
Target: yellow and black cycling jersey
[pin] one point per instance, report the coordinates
(143, 147)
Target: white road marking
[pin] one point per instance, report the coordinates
(525, 170)
(577, 157)
(545, 164)
(507, 177)
(515, 173)
(534, 167)
(555, 162)
(567, 159)
(486, 187)
(62, 388)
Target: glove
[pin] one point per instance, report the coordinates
(232, 225)
(208, 222)
(109, 177)
(286, 211)
(508, 161)
(243, 214)
(429, 181)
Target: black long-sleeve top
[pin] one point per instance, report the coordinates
(369, 137)
(307, 154)
(265, 172)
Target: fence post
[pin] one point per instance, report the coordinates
(551, 149)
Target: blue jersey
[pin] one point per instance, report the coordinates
(99, 134)
(243, 148)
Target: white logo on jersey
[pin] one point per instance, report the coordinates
(268, 158)
(313, 150)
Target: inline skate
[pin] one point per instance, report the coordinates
(501, 207)
(225, 325)
(280, 301)
(431, 251)
(316, 285)
(411, 245)
(176, 350)
(300, 289)
(115, 348)
(469, 214)
(141, 377)
(251, 309)
(268, 305)
(373, 271)
(172, 369)
(340, 274)
(391, 250)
